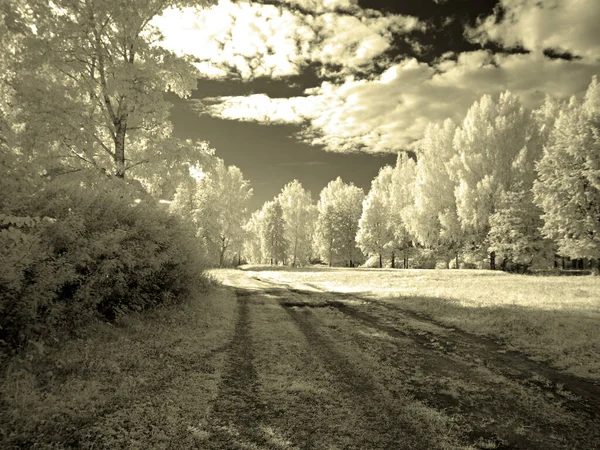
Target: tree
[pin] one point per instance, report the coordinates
(375, 232)
(272, 230)
(252, 243)
(340, 208)
(515, 233)
(568, 186)
(217, 204)
(299, 215)
(224, 196)
(434, 219)
(402, 204)
(493, 145)
(90, 87)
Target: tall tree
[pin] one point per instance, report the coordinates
(217, 203)
(223, 194)
(515, 232)
(434, 219)
(375, 231)
(91, 88)
(299, 215)
(402, 204)
(568, 187)
(272, 230)
(252, 238)
(340, 208)
(492, 145)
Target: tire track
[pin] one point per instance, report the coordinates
(237, 410)
(509, 363)
(377, 411)
(462, 353)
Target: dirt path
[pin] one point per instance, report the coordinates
(309, 369)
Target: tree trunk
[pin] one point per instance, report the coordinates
(493, 260)
(121, 130)
(393, 260)
(457, 266)
(295, 251)
(380, 265)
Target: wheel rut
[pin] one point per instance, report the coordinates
(464, 353)
(237, 410)
(375, 407)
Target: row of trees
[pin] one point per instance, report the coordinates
(512, 186)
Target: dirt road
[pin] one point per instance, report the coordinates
(309, 369)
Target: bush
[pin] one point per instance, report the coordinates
(98, 254)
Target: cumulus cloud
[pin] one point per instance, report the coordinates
(259, 108)
(390, 113)
(253, 39)
(249, 39)
(562, 25)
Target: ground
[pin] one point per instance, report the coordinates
(324, 359)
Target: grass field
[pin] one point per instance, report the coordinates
(144, 383)
(272, 361)
(551, 318)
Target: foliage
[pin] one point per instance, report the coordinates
(568, 185)
(89, 82)
(340, 208)
(299, 215)
(375, 228)
(217, 205)
(402, 205)
(96, 253)
(515, 232)
(274, 245)
(492, 146)
(434, 220)
(252, 243)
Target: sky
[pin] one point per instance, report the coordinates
(316, 89)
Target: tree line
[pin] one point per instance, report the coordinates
(507, 188)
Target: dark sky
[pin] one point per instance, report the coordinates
(271, 155)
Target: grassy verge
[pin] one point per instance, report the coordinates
(551, 318)
(145, 382)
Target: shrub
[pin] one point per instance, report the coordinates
(98, 254)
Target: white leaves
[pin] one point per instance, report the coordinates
(299, 215)
(340, 208)
(567, 188)
(376, 228)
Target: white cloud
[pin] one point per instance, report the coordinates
(255, 40)
(390, 113)
(251, 39)
(259, 108)
(566, 25)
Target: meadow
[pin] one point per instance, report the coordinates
(555, 319)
